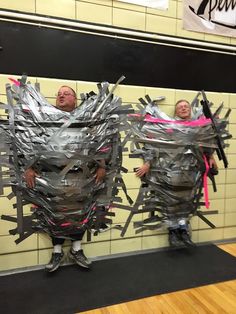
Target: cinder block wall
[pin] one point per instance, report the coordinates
(37, 248)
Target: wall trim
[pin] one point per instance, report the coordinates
(111, 31)
(112, 256)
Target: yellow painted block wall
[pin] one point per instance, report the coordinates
(36, 250)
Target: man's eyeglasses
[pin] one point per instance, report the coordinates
(64, 94)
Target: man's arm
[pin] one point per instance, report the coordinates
(101, 172)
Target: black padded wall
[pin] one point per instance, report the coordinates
(45, 52)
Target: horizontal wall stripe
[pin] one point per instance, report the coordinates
(54, 53)
(108, 30)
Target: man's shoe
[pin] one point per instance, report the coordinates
(54, 262)
(79, 258)
(103, 228)
(174, 239)
(186, 238)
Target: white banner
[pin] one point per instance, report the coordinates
(210, 16)
(155, 4)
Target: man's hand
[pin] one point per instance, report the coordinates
(30, 175)
(141, 171)
(100, 174)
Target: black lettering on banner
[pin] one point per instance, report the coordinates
(207, 7)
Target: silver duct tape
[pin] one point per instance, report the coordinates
(65, 149)
(174, 184)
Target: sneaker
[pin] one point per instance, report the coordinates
(174, 239)
(54, 262)
(186, 238)
(79, 258)
(103, 228)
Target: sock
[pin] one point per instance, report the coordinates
(76, 245)
(57, 248)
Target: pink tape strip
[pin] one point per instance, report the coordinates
(198, 122)
(104, 149)
(51, 222)
(207, 203)
(66, 224)
(14, 81)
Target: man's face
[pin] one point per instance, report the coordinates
(183, 110)
(66, 99)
